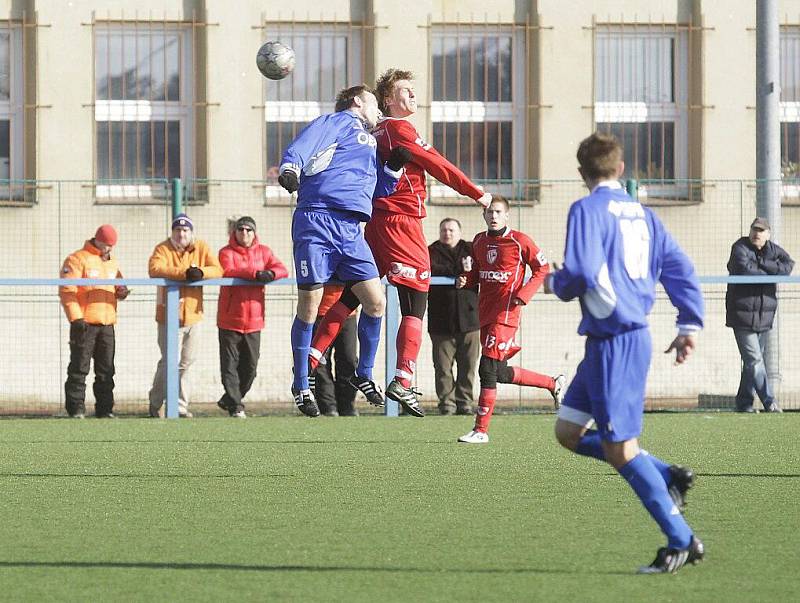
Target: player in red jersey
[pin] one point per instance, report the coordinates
(395, 235)
(501, 257)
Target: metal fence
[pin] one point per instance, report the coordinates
(37, 238)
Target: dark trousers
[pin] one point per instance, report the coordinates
(335, 393)
(92, 342)
(456, 394)
(238, 360)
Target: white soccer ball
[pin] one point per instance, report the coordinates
(275, 60)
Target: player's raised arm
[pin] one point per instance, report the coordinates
(314, 143)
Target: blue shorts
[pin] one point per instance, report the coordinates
(608, 388)
(330, 245)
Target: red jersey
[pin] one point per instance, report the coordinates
(499, 270)
(409, 195)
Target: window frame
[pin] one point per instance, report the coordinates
(300, 112)
(136, 188)
(615, 112)
(13, 111)
(458, 112)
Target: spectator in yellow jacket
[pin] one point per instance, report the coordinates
(92, 313)
(180, 258)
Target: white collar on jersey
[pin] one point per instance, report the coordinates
(612, 184)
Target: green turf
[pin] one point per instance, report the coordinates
(373, 509)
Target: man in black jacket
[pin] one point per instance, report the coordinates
(453, 322)
(750, 310)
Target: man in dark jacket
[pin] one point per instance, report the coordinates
(240, 312)
(453, 321)
(750, 310)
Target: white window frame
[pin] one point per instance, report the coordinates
(304, 111)
(11, 110)
(144, 110)
(789, 109)
(480, 111)
(639, 111)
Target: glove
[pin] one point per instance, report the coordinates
(194, 274)
(398, 158)
(78, 326)
(288, 180)
(121, 291)
(265, 276)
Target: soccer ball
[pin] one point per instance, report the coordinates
(275, 60)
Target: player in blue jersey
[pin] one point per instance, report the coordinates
(334, 167)
(616, 251)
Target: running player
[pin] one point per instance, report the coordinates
(395, 232)
(616, 251)
(334, 167)
(501, 258)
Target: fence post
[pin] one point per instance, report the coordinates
(392, 326)
(632, 186)
(171, 350)
(177, 197)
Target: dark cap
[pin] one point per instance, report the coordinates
(760, 224)
(182, 220)
(246, 221)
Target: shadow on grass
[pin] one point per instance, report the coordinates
(778, 475)
(148, 565)
(230, 441)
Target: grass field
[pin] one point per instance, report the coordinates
(375, 509)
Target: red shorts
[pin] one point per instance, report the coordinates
(497, 341)
(399, 248)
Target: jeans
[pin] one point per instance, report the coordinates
(754, 371)
(188, 338)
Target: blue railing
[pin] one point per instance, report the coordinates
(392, 319)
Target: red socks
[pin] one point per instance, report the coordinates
(326, 332)
(485, 409)
(409, 340)
(529, 378)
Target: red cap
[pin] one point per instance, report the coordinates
(106, 234)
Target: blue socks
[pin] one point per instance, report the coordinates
(301, 344)
(651, 489)
(590, 445)
(369, 336)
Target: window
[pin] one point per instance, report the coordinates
(641, 96)
(476, 103)
(144, 118)
(329, 57)
(790, 105)
(11, 113)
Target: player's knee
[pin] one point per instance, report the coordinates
(375, 307)
(487, 372)
(567, 434)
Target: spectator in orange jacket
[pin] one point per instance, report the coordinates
(180, 258)
(240, 312)
(92, 313)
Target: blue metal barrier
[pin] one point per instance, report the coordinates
(392, 319)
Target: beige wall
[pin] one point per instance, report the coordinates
(66, 214)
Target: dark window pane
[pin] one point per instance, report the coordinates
(481, 150)
(649, 148)
(322, 65)
(279, 135)
(790, 149)
(138, 150)
(471, 67)
(137, 65)
(5, 149)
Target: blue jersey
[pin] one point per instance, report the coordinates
(335, 159)
(615, 253)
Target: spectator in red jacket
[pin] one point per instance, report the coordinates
(240, 314)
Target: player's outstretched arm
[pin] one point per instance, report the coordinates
(683, 345)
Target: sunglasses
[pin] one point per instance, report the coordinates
(244, 229)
